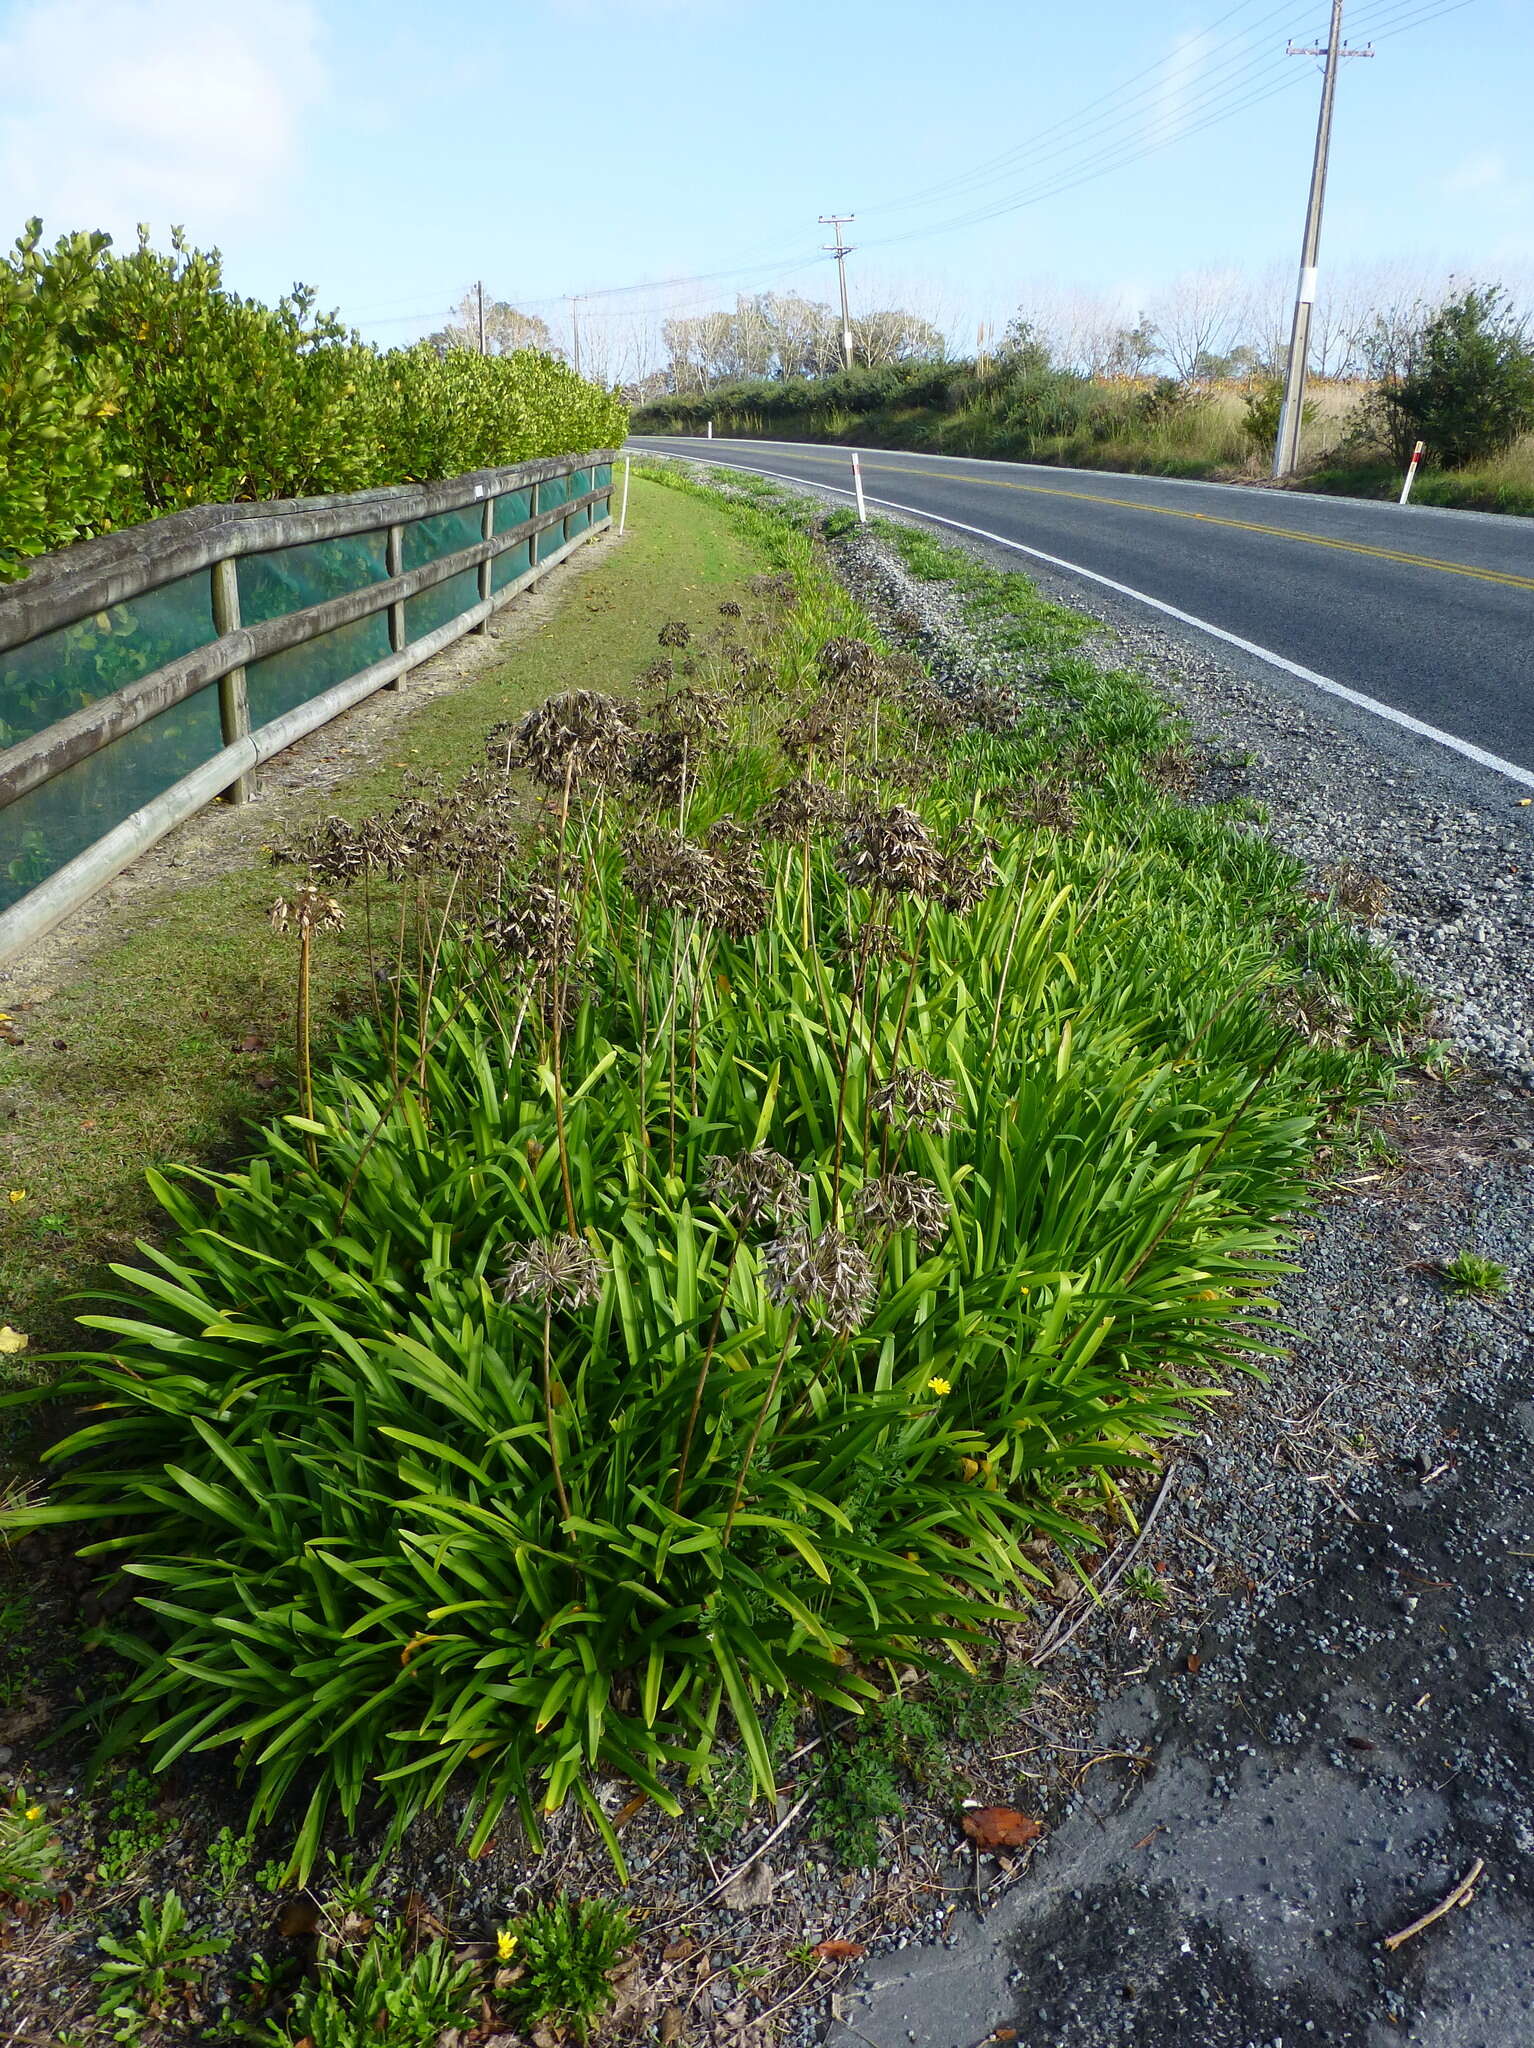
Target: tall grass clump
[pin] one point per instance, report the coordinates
(828, 1150)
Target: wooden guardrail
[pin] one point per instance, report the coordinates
(195, 614)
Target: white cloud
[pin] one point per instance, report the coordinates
(1484, 172)
(188, 111)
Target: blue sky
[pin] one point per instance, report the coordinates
(392, 153)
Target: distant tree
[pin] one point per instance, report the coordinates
(1024, 347)
(893, 335)
(1462, 379)
(1131, 350)
(506, 329)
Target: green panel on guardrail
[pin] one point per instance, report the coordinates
(604, 475)
(511, 510)
(580, 482)
(52, 823)
(290, 579)
(551, 540)
(442, 602)
(47, 678)
(554, 490)
(508, 567)
(577, 522)
(284, 681)
(428, 540)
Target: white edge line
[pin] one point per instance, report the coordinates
(1523, 776)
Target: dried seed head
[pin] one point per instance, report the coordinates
(992, 709)
(729, 609)
(848, 664)
(779, 589)
(917, 1099)
(675, 633)
(660, 672)
(968, 872)
(334, 851)
(1041, 800)
(799, 807)
(556, 1272)
(815, 729)
(694, 715)
(1173, 769)
(533, 926)
(753, 1185)
(307, 910)
(890, 850)
(826, 1279)
(579, 734)
(668, 871)
(902, 1201)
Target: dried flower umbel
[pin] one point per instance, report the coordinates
(754, 1185)
(675, 633)
(827, 1278)
(798, 807)
(576, 735)
(532, 926)
(890, 851)
(816, 729)
(849, 664)
(917, 1100)
(967, 873)
(308, 910)
(554, 1272)
(729, 609)
(893, 1202)
(669, 871)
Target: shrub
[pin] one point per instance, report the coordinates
(153, 1968)
(1463, 381)
(376, 1994)
(139, 384)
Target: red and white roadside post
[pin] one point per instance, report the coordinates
(857, 485)
(1411, 472)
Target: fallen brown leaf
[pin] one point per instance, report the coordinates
(298, 1917)
(1000, 1827)
(673, 2026)
(1195, 1662)
(840, 1951)
(628, 1809)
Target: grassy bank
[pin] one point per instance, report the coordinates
(1139, 427)
(794, 1179)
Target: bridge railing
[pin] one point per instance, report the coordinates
(148, 672)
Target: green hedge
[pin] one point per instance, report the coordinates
(132, 385)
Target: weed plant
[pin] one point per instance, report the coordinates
(151, 1971)
(563, 1955)
(380, 1993)
(829, 1152)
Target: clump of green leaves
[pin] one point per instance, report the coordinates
(1461, 379)
(130, 1824)
(842, 520)
(911, 1742)
(28, 1850)
(1470, 1276)
(377, 1994)
(566, 1951)
(153, 1970)
(230, 1855)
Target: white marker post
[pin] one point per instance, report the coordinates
(857, 485)
(623, 509)
(711, 430)
(1411, 472)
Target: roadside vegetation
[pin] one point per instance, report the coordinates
(801, 1145)
(138, 384)
(1459, 376)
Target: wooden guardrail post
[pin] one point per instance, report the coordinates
(233, 702)
(486, 532)
(394, 562)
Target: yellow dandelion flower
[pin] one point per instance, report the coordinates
(18, 1194)
(12, 1342)
(939, 1387)
(34, 1813)
(505, 1945)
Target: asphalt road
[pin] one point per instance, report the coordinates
(1427, 612)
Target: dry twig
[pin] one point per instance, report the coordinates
(1461, 1895)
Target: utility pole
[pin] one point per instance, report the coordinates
(841, 251)
(575, 331)
(480, 294)
(1286, 450)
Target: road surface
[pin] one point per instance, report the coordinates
(1426, 614)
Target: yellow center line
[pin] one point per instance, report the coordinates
(872, 463)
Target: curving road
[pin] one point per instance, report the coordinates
(1420, 620)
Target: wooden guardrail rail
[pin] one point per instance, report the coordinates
(148, 672)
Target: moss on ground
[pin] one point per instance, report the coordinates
(177, 1032)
